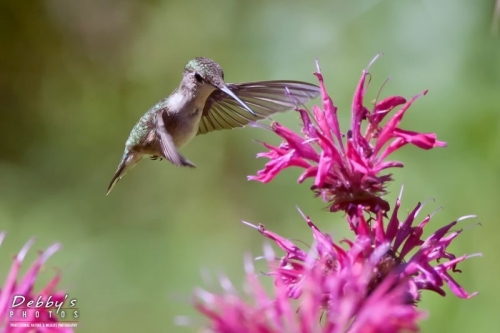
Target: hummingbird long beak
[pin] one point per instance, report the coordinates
(228, 91)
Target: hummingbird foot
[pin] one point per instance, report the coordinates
(184, 162)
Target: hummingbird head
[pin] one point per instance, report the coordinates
(205, 74)
(202, 71)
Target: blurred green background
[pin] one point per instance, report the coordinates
(76, 75)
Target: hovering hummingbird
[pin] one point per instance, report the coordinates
(203, 103)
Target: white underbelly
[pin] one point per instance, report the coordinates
(187, 110)
(186, 129)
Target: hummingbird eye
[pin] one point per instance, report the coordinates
(198, 78)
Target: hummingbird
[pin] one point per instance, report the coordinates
(203, 103)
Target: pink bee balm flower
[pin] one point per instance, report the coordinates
(343, 301)
(348, 169)
(370, 285)
(430, 266)
(11, 318)
(388, 240)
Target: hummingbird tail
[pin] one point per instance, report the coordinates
(128, 161)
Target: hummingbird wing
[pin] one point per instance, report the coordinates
(264, 98)
(167, 145)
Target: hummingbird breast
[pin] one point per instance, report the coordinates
(184, 111)
(181, 112)
(183, 126)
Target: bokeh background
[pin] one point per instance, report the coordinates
(76, 75)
